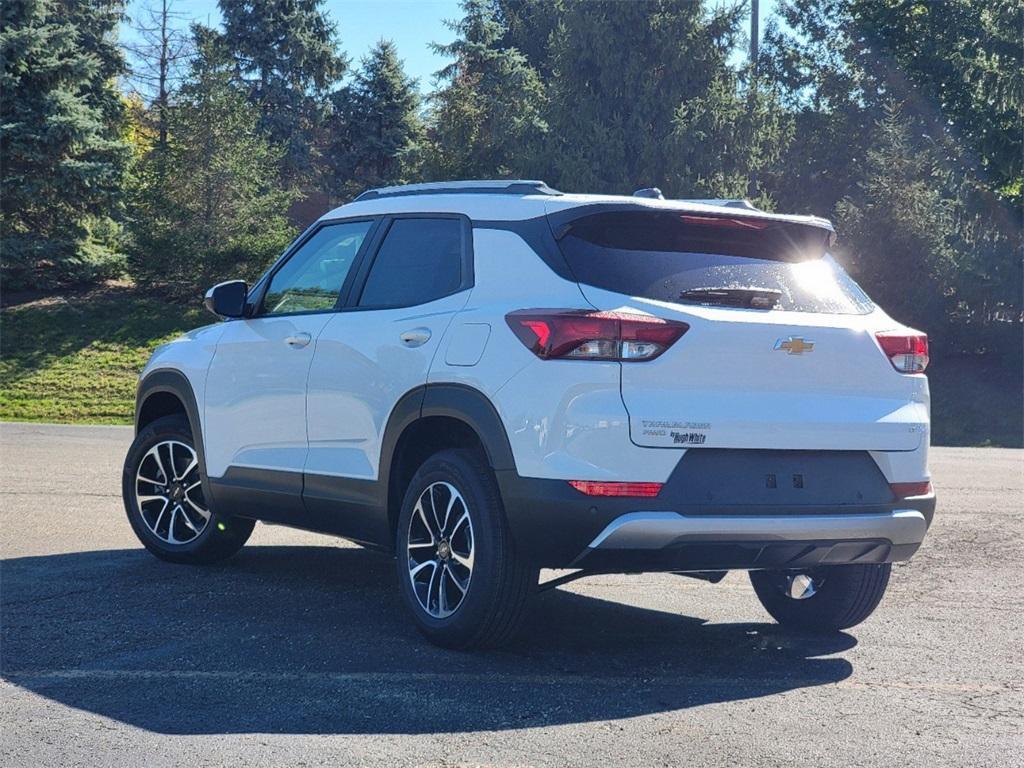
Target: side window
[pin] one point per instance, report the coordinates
(420, 260)
(311, 279)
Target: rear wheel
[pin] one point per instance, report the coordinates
(823, 599)
(163, 496)
(458, 569)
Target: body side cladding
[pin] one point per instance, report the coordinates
(359, 509)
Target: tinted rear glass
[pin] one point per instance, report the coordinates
(664, 255)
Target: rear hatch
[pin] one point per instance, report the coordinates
(780, 352)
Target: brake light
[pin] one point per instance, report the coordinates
(906, 350)
(722, 222)
(569, 334)
(593, 488)
(906, 490)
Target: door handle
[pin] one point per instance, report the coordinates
(417, 337)
(299, 340)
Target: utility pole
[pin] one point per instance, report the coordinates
(755, 12)
(754, 33)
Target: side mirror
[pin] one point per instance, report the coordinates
(227, 299)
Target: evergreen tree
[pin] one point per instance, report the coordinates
(643, 95)
(895, 221)
(376, 129)
(208, 209)
(836, 100)
(528, 26)
(62, 159)
(285, 51)
(487, 112)
(955, 68)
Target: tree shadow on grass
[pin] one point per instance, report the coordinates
(39, 332)
(314, 640)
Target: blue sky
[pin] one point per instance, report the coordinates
(411, 24)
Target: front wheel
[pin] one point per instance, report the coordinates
(163, 496)
(824, 599)
(459, 573)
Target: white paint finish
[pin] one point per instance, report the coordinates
(508, 276)
(256, 394)
(904, 466)
(726, 381)
(565, 420)
(359, 372)
(466, 344)
(189, 354)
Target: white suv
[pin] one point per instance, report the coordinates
(487, 378)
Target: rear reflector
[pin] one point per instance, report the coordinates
(906, 490)
(907, 350)
(569, 334)
(592, 488)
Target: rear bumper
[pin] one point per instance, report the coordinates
(555, 526)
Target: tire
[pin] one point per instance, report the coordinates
(846, 596)
(167, 515)
(452, 604)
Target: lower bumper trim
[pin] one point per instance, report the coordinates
(660, 530)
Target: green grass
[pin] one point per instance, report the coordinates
(76, 357)
(977, 400)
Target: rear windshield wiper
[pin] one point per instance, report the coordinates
(751, 298)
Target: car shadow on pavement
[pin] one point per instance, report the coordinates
(314, 640)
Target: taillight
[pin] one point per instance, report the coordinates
(568, 334)
(906, 490)
(906, 350)
(597, 488)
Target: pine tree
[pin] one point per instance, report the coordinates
(643, 95)
(487, 113)
(209, 208)
(62, 159)
(528, 25)
(896, 219)
(376, 128)
(955, 69)
(285, 51)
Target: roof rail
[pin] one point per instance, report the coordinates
(726, 203)
(486, 186)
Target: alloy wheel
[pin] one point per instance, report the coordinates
(169, 493)
(440, 549)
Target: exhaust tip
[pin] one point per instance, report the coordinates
(801, 586)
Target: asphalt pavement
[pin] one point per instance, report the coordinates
(296, 651)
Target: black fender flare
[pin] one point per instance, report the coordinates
(455, 401)
(469, 405)
(176, 383)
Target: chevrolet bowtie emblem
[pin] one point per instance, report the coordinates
(794, 345)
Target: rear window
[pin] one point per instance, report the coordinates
(685, 258)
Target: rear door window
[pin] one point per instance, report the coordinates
(717, 260)
(419, 261)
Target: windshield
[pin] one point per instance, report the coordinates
(688, 259)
